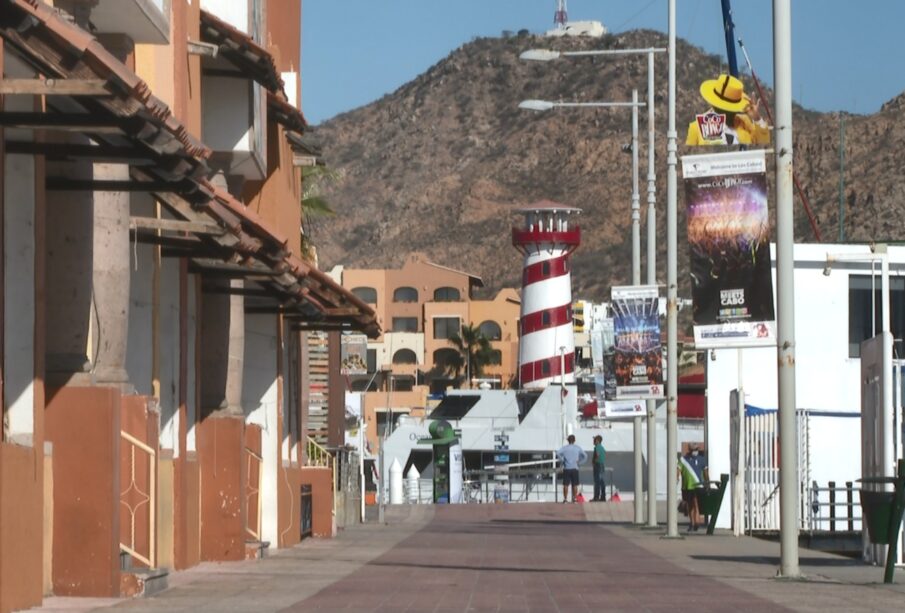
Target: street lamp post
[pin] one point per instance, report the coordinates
(548, 55)
(544, 105)
(672, 291)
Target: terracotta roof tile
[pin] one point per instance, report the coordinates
(242, 50)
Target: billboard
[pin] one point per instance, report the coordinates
(729, 241)
(354, 355)
(638, 356)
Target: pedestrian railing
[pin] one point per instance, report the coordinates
(138, 536)
(833, 507)
(254, 467)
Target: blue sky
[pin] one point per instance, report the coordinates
(846, 53)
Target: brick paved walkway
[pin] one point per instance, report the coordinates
(524, 558)
(518, 557)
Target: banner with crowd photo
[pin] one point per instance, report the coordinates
(638, 357)
(603, 355)
(729, 240)
(354, 354)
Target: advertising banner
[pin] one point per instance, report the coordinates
(729, 240)
(354, 355)
(603, 354)
(638, 357)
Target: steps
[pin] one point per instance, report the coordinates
(143, 582)
(256, 550)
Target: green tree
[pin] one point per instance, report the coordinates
(316, 181)
(474, 349)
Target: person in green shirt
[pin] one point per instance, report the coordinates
(599, 472)
(690, 482)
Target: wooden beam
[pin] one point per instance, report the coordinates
(201, 265)
(98, 153)
(77, 122)
(89, 185)
(238, 291)
(177, 242)
(192, 227)
(342, 312)
(54, 87)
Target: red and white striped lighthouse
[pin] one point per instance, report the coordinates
(547, 239)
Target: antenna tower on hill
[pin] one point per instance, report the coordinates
(561, 16)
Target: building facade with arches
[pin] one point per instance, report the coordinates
(420, 306)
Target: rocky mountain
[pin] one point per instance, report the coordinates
(439, 165)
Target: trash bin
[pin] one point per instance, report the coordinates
(877, 512)
(710, 499)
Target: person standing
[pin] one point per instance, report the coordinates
(572, 456)
(690, 482)
(599, 470)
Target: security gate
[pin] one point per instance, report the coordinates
(762, 469)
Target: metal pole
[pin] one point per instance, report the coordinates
(636, 280)
(672, 293)
(841, 178)
(785, 291)
(651, 280)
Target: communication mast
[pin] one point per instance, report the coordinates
(561, 16)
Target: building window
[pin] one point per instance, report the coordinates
(405, 356)
(546, 269)
(545, 368)
(367, 295)
(496, 357)
(861, 324)
(403, 384)
(445, 327)
(491, 330)
(446, 359)
(405, 294)
(372, 360)
(545, 318)
(405, 324)
(446, 294)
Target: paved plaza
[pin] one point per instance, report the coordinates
(519, 557)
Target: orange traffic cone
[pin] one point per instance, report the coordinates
(615, 497)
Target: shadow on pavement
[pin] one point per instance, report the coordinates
(501, 569)
(774, 560)
(572, 522)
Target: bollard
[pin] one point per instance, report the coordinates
(413, 485)
(850, 506)
(396, 482)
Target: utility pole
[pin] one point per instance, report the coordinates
(841, 177)
(672, 292)
(785, 291)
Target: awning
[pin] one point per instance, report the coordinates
(94, 94)
(242, 51)
(125, 119)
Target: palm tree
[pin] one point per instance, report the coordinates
(315, 180)
(474, 350)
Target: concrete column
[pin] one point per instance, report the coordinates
(222, 352)
(111, 279)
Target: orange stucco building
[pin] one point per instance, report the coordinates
(154, 323)
(419, 306)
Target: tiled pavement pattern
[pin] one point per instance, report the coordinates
(525, 557)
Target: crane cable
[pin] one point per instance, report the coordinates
(764, 103)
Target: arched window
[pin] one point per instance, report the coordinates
(446, 294)
(405, 294)
(491, 330)
(446, 358)
(367, 295)
(405, 356)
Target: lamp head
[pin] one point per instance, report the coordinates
(535, 105)
(827, 270)
(539, 55)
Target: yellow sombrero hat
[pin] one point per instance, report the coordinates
(725, 93)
